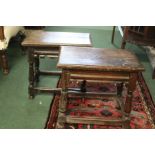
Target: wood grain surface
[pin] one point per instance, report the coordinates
(50, 39)
(87, 58)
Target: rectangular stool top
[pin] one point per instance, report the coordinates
(87, 58)
(50, 39)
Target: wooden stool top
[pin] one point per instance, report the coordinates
(37, 38)
(86, 58)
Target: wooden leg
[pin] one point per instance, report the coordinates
(31, 73)
(113, 34)
(4, 61)
(119, 88)
(83, 86)
(131, 88)
(153, 74)
(123, 44)
(62, 109)
(63, 101)
(36, 59)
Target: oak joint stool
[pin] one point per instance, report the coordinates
(107, 65)
(44, 43)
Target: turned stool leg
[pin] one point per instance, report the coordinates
(36, 59)
(119, 88)
(4, 61)
(31, 73)
(128, 102)
(83, 86)
(63, 101)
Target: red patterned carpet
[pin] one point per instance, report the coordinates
(142, 114)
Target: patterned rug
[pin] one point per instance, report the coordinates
(142, 114)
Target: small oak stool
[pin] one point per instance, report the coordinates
(44, 43)
(110, 65)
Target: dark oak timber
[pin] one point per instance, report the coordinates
(3, 54)
(86, 63)
(41, 43)
(4, 61)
